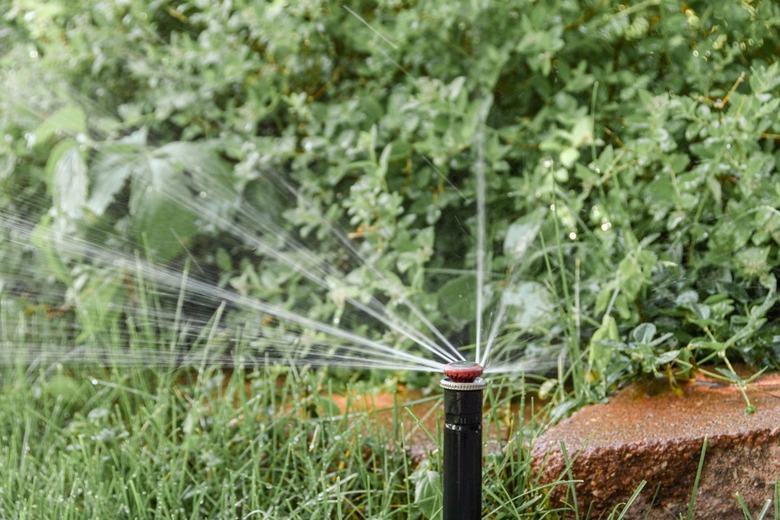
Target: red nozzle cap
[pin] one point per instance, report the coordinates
(463, 371)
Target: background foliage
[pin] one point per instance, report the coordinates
(630, 156)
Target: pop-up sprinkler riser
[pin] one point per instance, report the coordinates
(462, 468)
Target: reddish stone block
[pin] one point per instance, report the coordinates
(652, 434)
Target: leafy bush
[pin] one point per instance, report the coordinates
(629, 155)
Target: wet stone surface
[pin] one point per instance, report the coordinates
(650, 433)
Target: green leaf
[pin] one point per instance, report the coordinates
(223, 260)
(170, 186)
(666, 357)
(66, 172)
(110, 172)
(569, 156)
(754, 260)
(206, 174)
(427, 490)
(643, 334)
(522, 233)
(607, 331)
(400, 150)
(634, 272)
(456, 298)
(532, 304)
(67, 121)
(582, 133)
(47, 240)
(165, 225)
(600, 348)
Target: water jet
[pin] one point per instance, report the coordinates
(462, 467)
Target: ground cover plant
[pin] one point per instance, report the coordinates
(243, 180)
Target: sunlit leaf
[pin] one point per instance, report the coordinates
(68, 181)
(66, 122)
(522, 233)
(530, 304)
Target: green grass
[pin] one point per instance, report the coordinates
(98, 442)
(124, 441)
(104, 443)
(209, 442)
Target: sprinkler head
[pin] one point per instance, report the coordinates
(462, 462)
(463, 371)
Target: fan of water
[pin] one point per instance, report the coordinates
(299, 339)
(174, 313)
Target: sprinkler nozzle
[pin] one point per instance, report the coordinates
(463, 371)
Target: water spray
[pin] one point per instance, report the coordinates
(462, 440)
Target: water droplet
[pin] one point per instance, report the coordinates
(593, 166)
(573, 235)
(548, 163)
(728, 146)
(552, 207)
(94, 381)
(606, 225)
(34, 54)
(202, 195)
(695, 54)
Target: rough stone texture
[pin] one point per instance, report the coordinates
(651, 433)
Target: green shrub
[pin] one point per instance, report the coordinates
(629, 156)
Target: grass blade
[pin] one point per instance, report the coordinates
(692, 503)
(631, 499)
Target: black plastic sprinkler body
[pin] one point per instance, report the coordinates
(462, 440)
